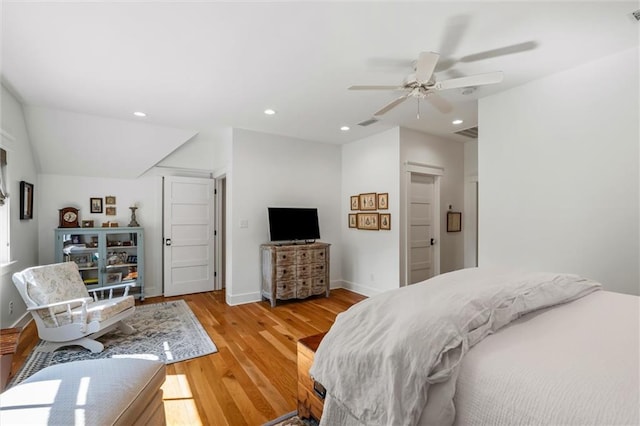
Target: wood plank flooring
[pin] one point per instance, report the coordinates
(253, 378)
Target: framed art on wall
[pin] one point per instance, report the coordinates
(26, 200)
(368, 201)
(385, 221)
(110, 200)
(95, 205)
(383, 201)
(368, 221)
(110, 211)
(353, 220)
(355, 203)
(454, 221)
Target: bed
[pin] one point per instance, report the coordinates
(485, 347)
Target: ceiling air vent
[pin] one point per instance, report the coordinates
(368, 122)
(471, 132)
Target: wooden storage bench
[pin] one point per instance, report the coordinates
(310, 399)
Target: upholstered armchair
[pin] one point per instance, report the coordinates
(65, 313)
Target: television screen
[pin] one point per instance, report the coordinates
(290, 224)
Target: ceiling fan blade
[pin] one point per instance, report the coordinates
(426, 64)
(391, 105)
(472, 80)
(375, 88)
(440, 103)
(501, 51)
(453, 33)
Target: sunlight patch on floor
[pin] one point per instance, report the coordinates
(179, 406)
(167, 351)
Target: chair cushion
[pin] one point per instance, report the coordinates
(95, 392)
(96, 311)
(55, 283)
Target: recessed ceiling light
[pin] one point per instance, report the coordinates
(344, 128)
(139, 114)
(269, 111)
(457, 121)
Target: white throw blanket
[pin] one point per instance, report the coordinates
(382, 356)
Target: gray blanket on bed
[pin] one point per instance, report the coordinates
(382, 356)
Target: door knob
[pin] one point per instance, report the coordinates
(433, 242)
(167, 241)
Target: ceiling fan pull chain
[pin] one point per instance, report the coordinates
(418, 115)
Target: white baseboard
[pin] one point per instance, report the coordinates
(22, 321)
(361, 289)
(241, 299)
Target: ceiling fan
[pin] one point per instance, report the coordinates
(424, 85)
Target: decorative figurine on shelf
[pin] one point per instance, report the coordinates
(133, 216)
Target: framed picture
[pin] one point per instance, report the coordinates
(110, 211)
(82, 260)
(114, 277)
(383, 201)
(454, 221)
(368, 221)
(385, 221)
(353, 220)
(355, 202)
(26, 200)
(95, 205)
(87, 223)
(368, 201)
(110, 199)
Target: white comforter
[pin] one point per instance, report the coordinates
(382, 356)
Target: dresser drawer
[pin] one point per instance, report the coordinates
(318, 270)
(318, 255)
(303, 288)
(318, 285)
(286, 289)
(304, 271)
(285, 273)
(285, 257)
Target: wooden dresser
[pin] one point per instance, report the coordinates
(310, 400)
(294, 271)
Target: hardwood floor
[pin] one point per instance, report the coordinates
(252, 378)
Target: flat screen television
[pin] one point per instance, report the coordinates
(293, 224)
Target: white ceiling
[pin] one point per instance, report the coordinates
(200, 65)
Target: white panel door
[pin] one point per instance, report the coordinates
(188, 235)
(421, 223)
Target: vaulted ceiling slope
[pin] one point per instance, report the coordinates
(212, 64)
(67, 143)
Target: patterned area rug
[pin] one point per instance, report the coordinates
(167, 331)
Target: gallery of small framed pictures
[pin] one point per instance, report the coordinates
(369, 218)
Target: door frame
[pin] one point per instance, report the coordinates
(220, 219)
(436, 172)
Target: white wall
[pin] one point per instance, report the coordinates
(269, 170)
(69, 143)
(24, 233)
(57, 191)
(470, 218)
(447, 154)
(371, 259)
(208, 150)
(559, 173)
